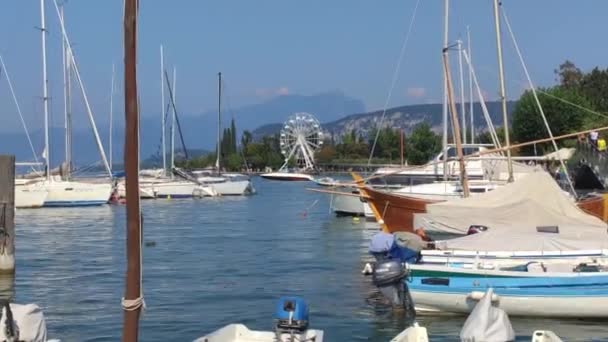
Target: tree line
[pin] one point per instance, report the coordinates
(575, 103)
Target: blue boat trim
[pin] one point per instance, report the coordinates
(56, 204)
(577, 286)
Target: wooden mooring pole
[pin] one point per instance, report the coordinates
(7, 214)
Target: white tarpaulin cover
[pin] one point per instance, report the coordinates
(487, 323)
(512, 214)
(29, 323)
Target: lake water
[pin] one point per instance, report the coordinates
(218, 261)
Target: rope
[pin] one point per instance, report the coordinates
(394, 81)
(133, 304)
(10, 86)
(540, 108)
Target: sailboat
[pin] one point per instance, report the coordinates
(224, 184)
(67, 192)
(161, 185)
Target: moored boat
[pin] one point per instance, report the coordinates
(287, 176)
(30, 196)
(75, 193)
(577, 293)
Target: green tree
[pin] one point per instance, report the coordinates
(246, 139)
(326, 154)
(233, 146)
(568, 75)
(422, 145)
(562, 117)
(594, 87)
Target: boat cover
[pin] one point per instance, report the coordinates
(487, 323)
(513, 213)
(29, 322)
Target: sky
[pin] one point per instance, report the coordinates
(268, 48)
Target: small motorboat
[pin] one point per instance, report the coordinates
(287, 176)
(326, 181)
(290, 325)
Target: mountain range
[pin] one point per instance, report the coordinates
(405, 117)
(199, 131)
(333, 109)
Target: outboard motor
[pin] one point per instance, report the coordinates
(291, 315)
(389, 276)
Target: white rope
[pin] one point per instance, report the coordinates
(482, 102)
(10, 86)
(540, 108)
(394, 81)
(133, 304)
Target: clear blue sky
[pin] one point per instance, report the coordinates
(270, 47)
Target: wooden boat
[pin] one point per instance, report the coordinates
(596, 206)
(395, 212)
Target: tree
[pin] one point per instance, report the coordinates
(568, 75)
(233, 146)
(594, 87)
(422, 145)
(326, 154)
(246, 139)
(562, 117)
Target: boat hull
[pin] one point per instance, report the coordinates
(75, 194)
(180, 190)
(394, 212)
(347, 205)
(541, 294)
(287, 176)
(520, 305)
(233, 188)
(30, 196)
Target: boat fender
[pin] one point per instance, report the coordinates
(367, 269)
(545, 336)
(478, 295)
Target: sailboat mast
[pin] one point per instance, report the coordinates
(162, 109)
(45, 97)
(173, 122)
(445, 91)
(65, 93)
(463, 113)
(133, 300)
(503, 96)
(455, 125)
(471, 105)
(219, 121)
(111, 113)
(68, 115)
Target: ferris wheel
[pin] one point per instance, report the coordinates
(301, 136)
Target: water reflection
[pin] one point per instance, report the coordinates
(213, 262)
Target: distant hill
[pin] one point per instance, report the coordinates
(405, 117)
(199, 130)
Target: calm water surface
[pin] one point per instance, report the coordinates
(218, 261)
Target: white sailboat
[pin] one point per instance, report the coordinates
(162, 186)
(29, 195)
(224, 184)
(68, 192)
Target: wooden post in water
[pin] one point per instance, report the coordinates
(7, 214)
(133, 299)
